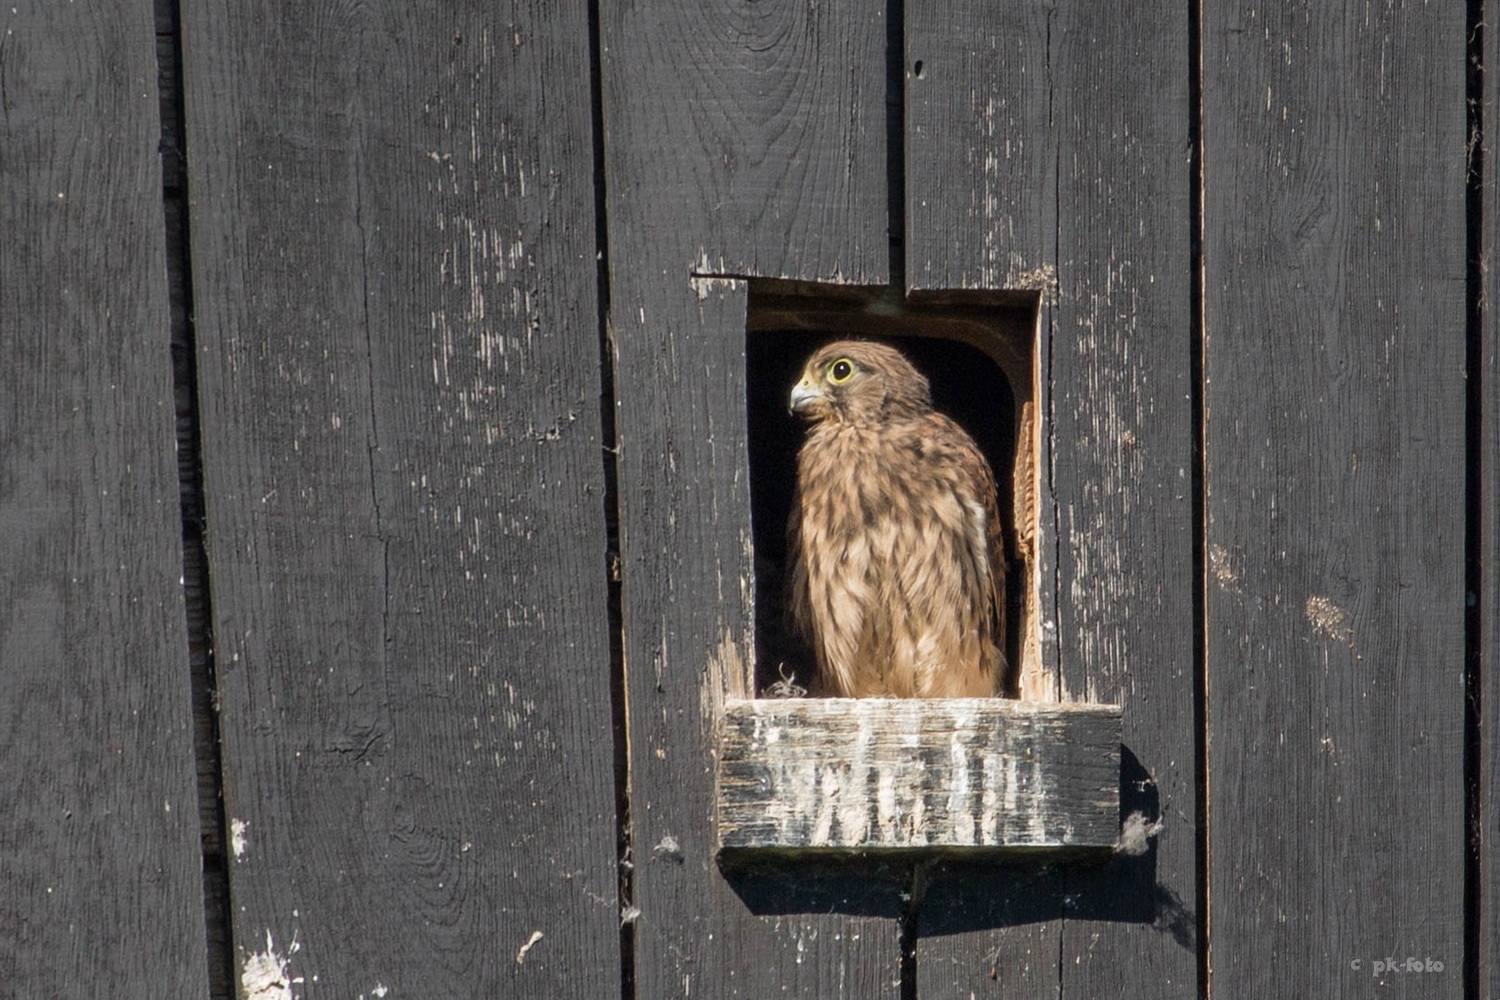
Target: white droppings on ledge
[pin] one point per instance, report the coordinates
(853, 806)
(894, 773)
(961, 820)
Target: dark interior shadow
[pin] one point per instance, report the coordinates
(953, 895)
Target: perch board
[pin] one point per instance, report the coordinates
(943, 774)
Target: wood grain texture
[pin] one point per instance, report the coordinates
(760, 125)
(1334, 151)
(981, 150)
(1122, 450)
(1047, 148)
(395, 287)
(100, 892)
(740, 139)
(953, 773)
(1488, 541)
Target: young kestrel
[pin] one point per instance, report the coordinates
(897, 565)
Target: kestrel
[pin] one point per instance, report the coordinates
(897, 561)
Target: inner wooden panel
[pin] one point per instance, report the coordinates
(979, 353)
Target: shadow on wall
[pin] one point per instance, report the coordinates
(951, 895)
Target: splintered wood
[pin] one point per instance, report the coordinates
(954, 774)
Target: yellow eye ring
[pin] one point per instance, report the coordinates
(840, 371)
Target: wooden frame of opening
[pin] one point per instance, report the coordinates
(942, 775)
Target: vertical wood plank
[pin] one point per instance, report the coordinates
(745, 140)
(1122, 450)
(1047, 148)
(1487, 552)
(1334, 152)
(395, 283)
(981, 149)
(100, 890)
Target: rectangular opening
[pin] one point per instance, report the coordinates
(978, 351)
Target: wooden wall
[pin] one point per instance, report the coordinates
(99, 855)
(460, 299)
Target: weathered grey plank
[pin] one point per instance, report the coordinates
(981, 146)
(1122, 447)
(100, 892)
(1334, 152)
(740, 139)
(395, 289)
(878, 773)
(759, 127)
(1047, 147)
(1486, 547)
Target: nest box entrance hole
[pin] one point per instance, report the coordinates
(979, 354)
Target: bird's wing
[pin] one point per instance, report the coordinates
(975, 480)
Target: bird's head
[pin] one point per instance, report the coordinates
(859, 382)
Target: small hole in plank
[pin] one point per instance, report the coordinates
(916, 69)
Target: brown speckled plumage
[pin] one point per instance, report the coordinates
(898, 570)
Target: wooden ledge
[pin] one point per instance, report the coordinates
(941, 775)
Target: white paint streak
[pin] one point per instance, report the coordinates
(885, 806)
(917, 832)
(959, 817)
(1038, 807)
(801, 780)
(1011, 796)
(964, 719)
(238, 841)
(706, 286)
(854, 810)
(530, 943)
(828, 800)
(989, 800)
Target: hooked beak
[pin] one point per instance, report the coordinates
(803, 393)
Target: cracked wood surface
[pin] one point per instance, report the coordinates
(1486, 367)
(1334, 379)
(100, 872)
(392, 217)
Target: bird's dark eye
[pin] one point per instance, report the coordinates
(840, 371)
